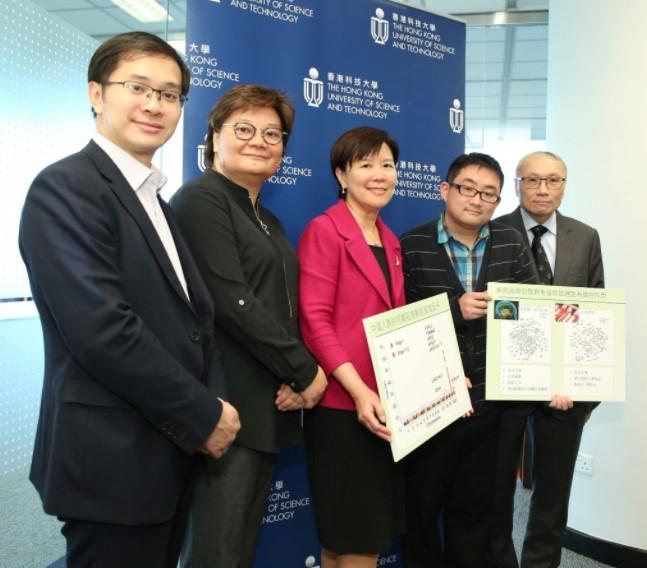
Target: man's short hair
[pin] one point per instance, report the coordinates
(539, 153)
(474, 159)
(123, 46)
(244, 97)
(356, 144)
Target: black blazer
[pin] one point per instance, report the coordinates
(252, 275)
(127, 356)
(428, 271)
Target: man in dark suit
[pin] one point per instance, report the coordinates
(130, 390)
(566, 253)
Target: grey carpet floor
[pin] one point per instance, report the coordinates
(521, 506)
(31, 539)
(28, 537)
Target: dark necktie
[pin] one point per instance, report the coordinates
(539, 254)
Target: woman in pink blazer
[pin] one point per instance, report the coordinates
(351, 268)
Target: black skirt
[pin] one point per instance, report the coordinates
(357, 489)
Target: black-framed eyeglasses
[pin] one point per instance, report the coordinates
(533, 182)
(167, 96)
(469, 191)
(246, 131)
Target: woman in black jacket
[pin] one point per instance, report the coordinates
(251, 271)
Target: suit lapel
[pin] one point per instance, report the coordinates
(366, 263)
(450, 270)
(393, 260)
(132, 205)
(359, 251)
(563, 249)
(198, 294)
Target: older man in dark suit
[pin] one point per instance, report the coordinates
(566, 253)
(130, 391)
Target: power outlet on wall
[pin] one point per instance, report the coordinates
(584, 463)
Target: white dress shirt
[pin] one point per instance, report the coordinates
(146, 182)
(548, 239)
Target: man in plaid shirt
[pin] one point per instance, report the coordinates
(459, 252)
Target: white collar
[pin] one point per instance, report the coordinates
(133, 170)
(529, 222)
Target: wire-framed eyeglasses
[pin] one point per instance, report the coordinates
(533, 182)
(167, 96)
(246, 131)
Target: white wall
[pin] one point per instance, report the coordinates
(597, 120)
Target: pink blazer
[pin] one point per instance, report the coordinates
(341, 283)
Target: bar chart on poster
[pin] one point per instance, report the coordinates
(418, 370)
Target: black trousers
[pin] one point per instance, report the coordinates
(512, 424)
(556, 443)
(103, 545)
(229, 500)
(451, 478)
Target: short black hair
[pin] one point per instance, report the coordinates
(359, 143)
(112, 51)
(474, 159)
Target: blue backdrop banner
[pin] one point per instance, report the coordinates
(344, 64)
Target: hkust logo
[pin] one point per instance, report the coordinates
(313, 88)
(311, 562)
(456, 117)
(201, 163)
(379, 27)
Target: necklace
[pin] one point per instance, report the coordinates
(372, 237)
(367, 224)
(255, 207)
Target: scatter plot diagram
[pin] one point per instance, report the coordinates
(525, 340)
(590, 341)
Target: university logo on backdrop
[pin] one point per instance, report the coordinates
(379, 27)
(313, 88)
(202, 165)
(456, 117)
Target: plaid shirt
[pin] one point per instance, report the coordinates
(428, 271)
(466, 261)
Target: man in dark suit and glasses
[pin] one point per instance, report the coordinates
(566, 253)
(131, 381)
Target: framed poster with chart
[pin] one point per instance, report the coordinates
(543, 340)
(418, 370)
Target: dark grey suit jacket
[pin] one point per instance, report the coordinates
(578, 260)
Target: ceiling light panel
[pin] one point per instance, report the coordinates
(143, 10)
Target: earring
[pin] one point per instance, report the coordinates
(343, 191)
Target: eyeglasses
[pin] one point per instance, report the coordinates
(532, 182)
(139, 90)
(247, 131)
(469, 191)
